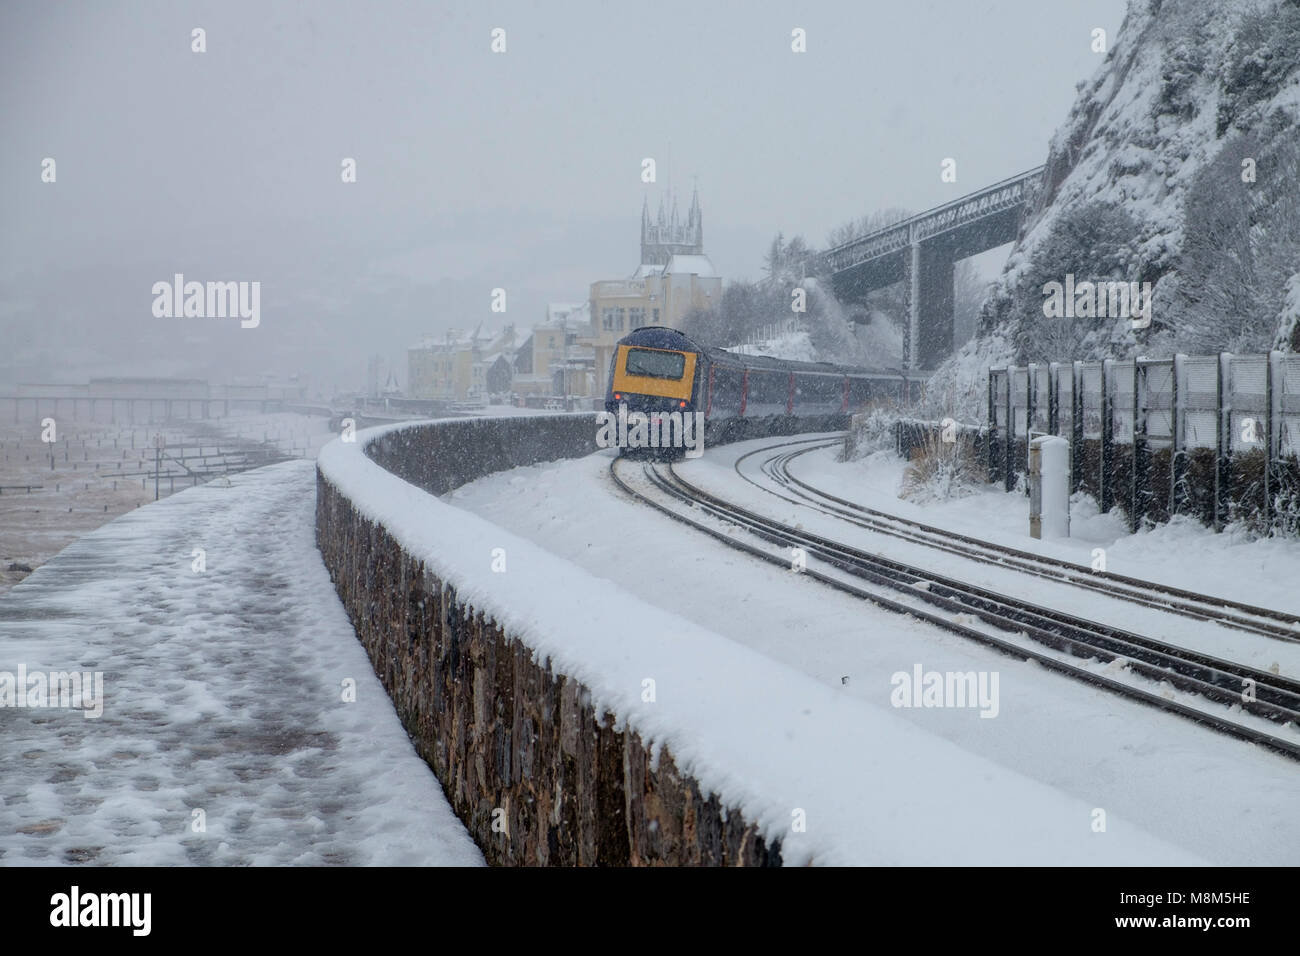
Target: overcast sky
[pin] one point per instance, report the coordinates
(475, 169)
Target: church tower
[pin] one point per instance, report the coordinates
(666, 235)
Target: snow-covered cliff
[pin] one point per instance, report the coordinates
(1178, 165)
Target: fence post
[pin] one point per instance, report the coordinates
(1008, 473)
(1272, 432)
(1076, 425)
(1177, 436)
(1141, 460)
(1054, 398)
(991, 436)
(1107, 435)
(1223, 440)
(1031, 405)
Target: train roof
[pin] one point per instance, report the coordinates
(659, 337)
(662, 337)
(770, 363)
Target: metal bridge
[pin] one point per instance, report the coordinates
(920, 251)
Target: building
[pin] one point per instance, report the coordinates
(456, 365)
(421, 369)
(557, 360)
(666, 236)
(573, 364)
(375, 368)
(500, 376)
(439, 367)
(674, 277)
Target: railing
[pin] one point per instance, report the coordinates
(1217, 435)
(765, 333)
(615, 287)
(992, 199)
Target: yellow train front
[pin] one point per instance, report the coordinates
(668, 394)
(653, 385)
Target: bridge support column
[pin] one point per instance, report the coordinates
(934, 318)
(928, 275)
(912, 298)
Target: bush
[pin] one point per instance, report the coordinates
(940, 471)
(871, 430)
(1093, 241)
(1264, 53)
(1184, 63)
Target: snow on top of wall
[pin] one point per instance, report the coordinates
(768, 739)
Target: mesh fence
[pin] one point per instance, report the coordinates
(1289, 411)
(1156, 402)
(1065, 402)
(1214, 435)
(1248, 409)
(1042, 399)
(1200, 401)
(1122, 403)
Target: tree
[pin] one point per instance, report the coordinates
(1093, 242)
(969, 290)
(862, 225)
(786, 262)
(890, 299)
(742, 308)
(775, 258)
(1241, 246)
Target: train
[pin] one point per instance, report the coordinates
(659, 373)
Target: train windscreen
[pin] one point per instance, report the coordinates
(655, 363)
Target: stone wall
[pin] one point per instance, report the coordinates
(537, 775)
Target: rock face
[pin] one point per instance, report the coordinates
(538, 774)
(1176, 166)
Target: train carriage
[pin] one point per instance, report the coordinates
(660, 371)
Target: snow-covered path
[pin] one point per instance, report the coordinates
(223, 700)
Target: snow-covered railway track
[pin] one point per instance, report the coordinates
(1227, 613)
(1235, 699)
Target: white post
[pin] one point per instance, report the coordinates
(1049, 509)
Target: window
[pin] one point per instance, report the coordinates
(655, 363)
(656, 316)
(635, 318)
(607, 318)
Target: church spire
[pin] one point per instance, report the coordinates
(695, 220)
(670, 232)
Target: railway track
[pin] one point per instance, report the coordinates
(1234, 699)
(1227, 613)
